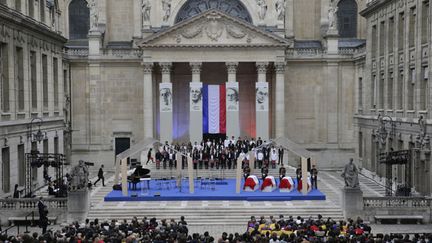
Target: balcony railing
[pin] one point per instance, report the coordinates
(32, 203)
(397, 202)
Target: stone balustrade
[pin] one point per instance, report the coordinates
(31, 203)
(76, 52)
(123, 53)
(305, 52)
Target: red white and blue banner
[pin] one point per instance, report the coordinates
(214, 109)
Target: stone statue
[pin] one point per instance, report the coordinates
(280, 9)
(422, 124)
(166, 8)
(350, 174)
(145, 9)
(332, 15)
(79, 175)
(94, 14)
(262, 9)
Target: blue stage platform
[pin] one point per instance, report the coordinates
(221, 192)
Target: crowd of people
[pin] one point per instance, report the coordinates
(265, 230)
(219, 154)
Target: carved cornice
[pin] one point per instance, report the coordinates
(147, 67)
(196, 67)
(232, 67)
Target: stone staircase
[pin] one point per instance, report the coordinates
(226, 213)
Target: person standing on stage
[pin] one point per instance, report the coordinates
(298, 173)
(314, 177)
(159, 158)
(259, 158)
(149, 157)
(246, 172)
(281, 154)
(264, 172)
(282, 173)
(100, 176)
(273, 157)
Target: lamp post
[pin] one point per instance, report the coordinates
(38, 135)
(381, 135)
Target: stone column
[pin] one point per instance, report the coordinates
(232, 99)
(148, 100)
(280, 99)
(166, 111)
(261, 102)
(195, 104)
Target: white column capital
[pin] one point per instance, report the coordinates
(262, 67)
(196, 67)
(166, 67)
(279, 67)
(147, 67)
(232, 67)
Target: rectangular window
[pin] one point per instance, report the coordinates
(31, 8)
(360, 141)
(65, 83)
(425, 22)
(411, 88)
(19, 77)
(373, 91)
(56, 145)
(18, 5)
(390, 91)
(45, 81)
(412, 26)
(45, 146)
(33, 80)
(42, 10)
(401, 31)
(391, 35)
(424, 88)
(5, 170)
(399, 91)
(381, 92)
(21, 165)
(382, 38)
(55, 80)
(374, 40)
(4, 77)
(360, 93)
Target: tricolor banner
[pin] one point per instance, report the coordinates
(214, 109)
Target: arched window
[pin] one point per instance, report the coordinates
(347, 18)
(79, 20)
(232, 7)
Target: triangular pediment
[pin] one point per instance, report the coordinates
(214, 28)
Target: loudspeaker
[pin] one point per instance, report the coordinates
(157, 194)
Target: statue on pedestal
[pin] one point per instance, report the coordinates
(94, 14)
(350, 174)
(145, 9)
(422, 124)
(166, 8)
(262, 9)
(280, 9)
(79, 175)
(332, 16)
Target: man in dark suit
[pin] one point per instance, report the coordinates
(100, 176)
(281, 154)
(314, 177)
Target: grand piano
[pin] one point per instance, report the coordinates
(137, 176)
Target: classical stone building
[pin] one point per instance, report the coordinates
(310, 54)
(394, 95)
(33, 86)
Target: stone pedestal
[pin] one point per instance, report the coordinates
(78, 205)
(95, 38)
(332, 38)
(352, 202)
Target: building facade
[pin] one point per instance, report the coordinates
(33, 87)
(394, 95)
(304, 52)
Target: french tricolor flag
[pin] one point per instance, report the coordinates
(214, 109)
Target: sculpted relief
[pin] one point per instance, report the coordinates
(262, 9)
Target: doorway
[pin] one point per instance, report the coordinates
(122, 144)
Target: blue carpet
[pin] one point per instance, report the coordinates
(222, 192)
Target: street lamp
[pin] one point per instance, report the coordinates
(38, 135)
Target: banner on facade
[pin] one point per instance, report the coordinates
(195, 96)
(262, 96)
(165, 95)
(214, 111)
(232, 96)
